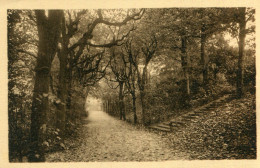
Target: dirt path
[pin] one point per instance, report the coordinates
(108, 139)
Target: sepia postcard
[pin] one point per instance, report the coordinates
(129, 83)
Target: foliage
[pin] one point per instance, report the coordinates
(20, 83)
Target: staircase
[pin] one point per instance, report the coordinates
(183, 120)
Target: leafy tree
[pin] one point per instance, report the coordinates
(117, 65)
(148, 50)
(242, 20)
(48, 32)
(131, 72)
(83, 42)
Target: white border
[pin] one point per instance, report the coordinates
(80, 4)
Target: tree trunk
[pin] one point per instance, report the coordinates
(185, 64)
(62, 94)
(142, 85)
(121, 101)
(49, 33)
(109, 106)
(188, 74)
(242, 35)
(51, 85)
(62, 88)
(134, 107)
(142, 95)
(86, 92)
(69, 113)
(204, 59)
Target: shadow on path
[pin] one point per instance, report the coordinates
(105, 138)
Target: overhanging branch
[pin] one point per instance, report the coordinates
(27, 52)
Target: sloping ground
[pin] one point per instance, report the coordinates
(193, 116)
(226, 132)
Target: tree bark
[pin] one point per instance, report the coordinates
(133, 93)
(185, 61)
(204, 58)
(62, 88)
(142, 95)
(62, 94)
(242, 35)
(108, 106)
(134, 107)
(141, 84)
(188, 75)
(121, 101)
(69, 113)
(49, 33)
(185, 64)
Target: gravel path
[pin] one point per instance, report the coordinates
(105, 138)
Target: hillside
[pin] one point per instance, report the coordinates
(226, 132)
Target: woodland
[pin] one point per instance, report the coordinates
(145, 66)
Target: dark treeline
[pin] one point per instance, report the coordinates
(145, 64)
(178, 59)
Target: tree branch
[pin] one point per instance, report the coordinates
(27, 52)
(88, 35)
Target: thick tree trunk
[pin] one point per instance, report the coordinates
(49, 33)
(62, 88)
(62, 94)
(204, 59)
(242, 35)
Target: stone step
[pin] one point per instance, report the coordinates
(164, 126)
(160, 128)
(173, 124)
(184, 120)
